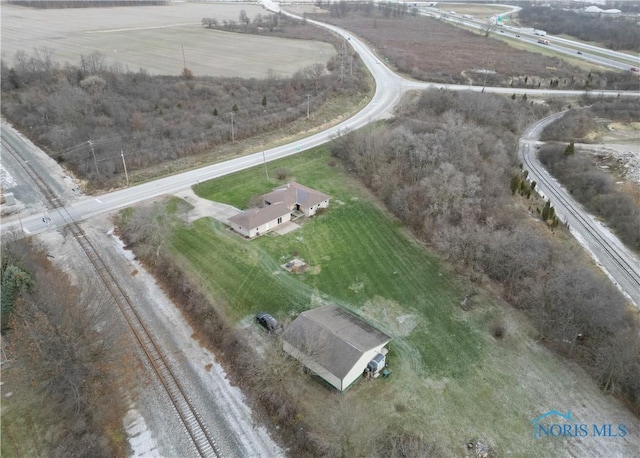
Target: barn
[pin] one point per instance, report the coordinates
(334, 344)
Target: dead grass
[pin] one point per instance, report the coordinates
(429, 49)
(152, 38)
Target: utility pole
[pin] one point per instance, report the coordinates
(266, 172)
(342, 64)
(125, 166)
(93, 153)
(184, 60)
(308, 100)
(233, 137)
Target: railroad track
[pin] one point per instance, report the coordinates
(556, 197)
(201, 438)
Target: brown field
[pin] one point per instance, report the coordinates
(433, 50)
(152, 38)
(478, 11)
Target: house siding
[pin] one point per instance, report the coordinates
(340, 384)
(311, 211)
(358, 368)
(241, 230)
(313, 366)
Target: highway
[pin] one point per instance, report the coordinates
(594, 54)
(389, 90)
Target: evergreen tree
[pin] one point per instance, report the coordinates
(570, 149)
(515, 184)
(14, 282)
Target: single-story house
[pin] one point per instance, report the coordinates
(278, 206)
(334, 344)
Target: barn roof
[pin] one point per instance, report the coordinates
(333, 338)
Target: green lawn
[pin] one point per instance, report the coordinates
(451, 380)
(357, 254)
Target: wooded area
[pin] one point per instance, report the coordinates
(445, 169)
(595, 189)
(590, 185)
(63, 362)
(415, 45)
(46, 4)
(80, 112)
(615, 32)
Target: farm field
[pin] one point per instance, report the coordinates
(416, 46)
(452, 381)
(152, 38)
(478, 11)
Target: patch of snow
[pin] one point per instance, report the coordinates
(140, 438)
(6, 180)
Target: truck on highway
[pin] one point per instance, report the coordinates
(544, 42)
(540, 33)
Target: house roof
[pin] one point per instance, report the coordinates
(255, 217)
(295, 193)
(333, 338)
(279, 200)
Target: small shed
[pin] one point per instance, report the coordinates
(334, 344)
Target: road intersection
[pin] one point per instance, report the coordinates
(390, 88)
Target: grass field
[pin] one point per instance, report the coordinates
(356, 257)
(452, 381)
(152, 38)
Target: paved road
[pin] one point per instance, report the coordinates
(593, 54)
(615, 259)
(389, 89)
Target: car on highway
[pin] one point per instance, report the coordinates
(579, 52)
(268, 322)
(517, 36)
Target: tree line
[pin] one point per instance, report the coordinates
(414, 45)
(63, 358)
(595, 189)
(590, 185)
(273, 383)
(92, 110)
(57, 4)
(618, 33)
(445, 168)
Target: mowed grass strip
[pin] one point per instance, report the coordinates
(450, 379)
(356, 251)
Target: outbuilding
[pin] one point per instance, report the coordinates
(334, 344)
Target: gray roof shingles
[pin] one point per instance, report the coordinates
(333, 338)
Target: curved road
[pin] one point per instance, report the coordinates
(615, 259)
(389, 89)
